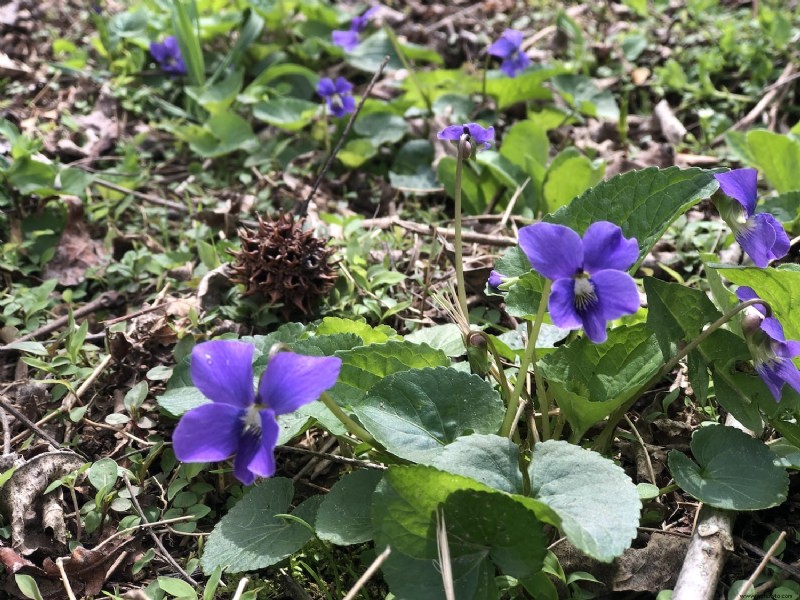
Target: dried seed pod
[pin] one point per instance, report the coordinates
(286, 265)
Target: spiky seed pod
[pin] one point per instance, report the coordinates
(285, 264)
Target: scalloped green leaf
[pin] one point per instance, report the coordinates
(597, 502)
(365, 366)
(414, 414)
(473, 577)
(490, 459)
(251, 537)
(643, 203)
(343, 517)
(676, 312)
(570, 174)
(590, 381)
(477, 519)
(731, 470)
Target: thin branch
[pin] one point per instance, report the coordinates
(772, 550)
(368, 573)
(304, 207)
(104, 301)
(164, 553)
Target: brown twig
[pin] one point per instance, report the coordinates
(791, 570)
(142, 196)
(772, 549)
(762, 105)
(6, 432)
(164, 553)
(103, 301)
(5, 404)
(326, 165)
(64, 579)
(468, 236)
(368, 573)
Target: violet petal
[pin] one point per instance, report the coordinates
(604, 247)
(742, 186)
(617, 294)
(555, 251)
(223, 371)
(208, 433)
(561, 305)
(293, 380)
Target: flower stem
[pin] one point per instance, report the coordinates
(603, 441)
(353, 427)
(528, 358)
(459, 250)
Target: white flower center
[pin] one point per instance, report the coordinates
(585, 295)
(252, 419)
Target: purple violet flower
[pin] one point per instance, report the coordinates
(168, 56)
(348, 39)
(495, 279)
(337, 95)
(760, 235)
(772, 354)
(476, 133)
(590, 281)
(238, 420)
(509, 48)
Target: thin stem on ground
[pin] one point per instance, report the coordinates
(528, 357)
(603, 441)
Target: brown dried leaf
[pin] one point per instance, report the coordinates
(87, 567)
(76, 250)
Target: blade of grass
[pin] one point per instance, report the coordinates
(189, 40)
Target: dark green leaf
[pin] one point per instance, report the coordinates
(413, 414)
(590, 381)
(733, 470)
(344, 515)
(251, 537)
(643, 203)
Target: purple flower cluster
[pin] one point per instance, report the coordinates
(168, 56)
(772, 354)
(338, 95)
(238, 420)
(760, 235)
(349, 39)
(591, 285)
(509, 48)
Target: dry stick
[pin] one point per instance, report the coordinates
(106, 299)
(793, 571)
(650, 471)
(138, 313)
(333, 458)
(240, 588)
(122, 556)
(469, 237)
(760, 567)
(4, 403)
(166, 555)
(443, 550)
(69, 399)
(6, 432)
(60, 565)
(762, 105)
(128, 530)
(142, 196)
(326, 165)
(712, 541)
(368, 573)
